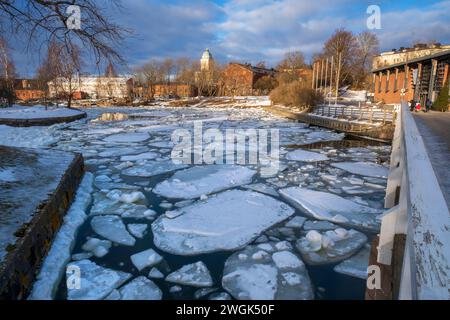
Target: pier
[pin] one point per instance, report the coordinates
(369, 123)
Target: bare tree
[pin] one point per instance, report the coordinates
(168, 67)
(48, 21)
(292, 60)
(187, 76)
(63, 67)
(343, 47)
(367, 48)
(149, 74)
(7, 73)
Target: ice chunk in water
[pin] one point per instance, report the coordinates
(117, 152)
(140, 288)
(264, 278)
(155, 274)
(137, 230)
(153, 169)
(357, 265)
(306, 156)
(197, 181)
(225, 222)
(263, 188)
(296, 222)
(144, 259)
(142, 156)
(127, 137)
(112, 228)
(99, 248)
(330, 207)
(220, 296)
(367, 169)
(319, 225)
(334, 246)
(132, 197)
(195, 275)
(96, 282)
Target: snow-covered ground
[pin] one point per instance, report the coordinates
(157, 230)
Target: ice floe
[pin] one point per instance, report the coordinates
(263, 188)
(306, 156)
(144, 259)
(142, 156)
(357, 265)
(296, 222)
(97, 247)
(137, 230)
(96, 282)
(151, 169)
(227, 221)
(197, 181)
(278, 276)
(132, 197)
(194, 275)
(367, 169)
(220, 296)
(155, 274)
(140, 288)
(127, 137)
(330, 207)
(113, 229)
(321, 248)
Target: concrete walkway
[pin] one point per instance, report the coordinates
(435, 130)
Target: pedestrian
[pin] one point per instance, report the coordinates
(428, 105)
(412, 105)
(418, 107)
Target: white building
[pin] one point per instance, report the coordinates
(93, 87)
(207, 61)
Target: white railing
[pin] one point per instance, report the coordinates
(417, 209)
(356, 113)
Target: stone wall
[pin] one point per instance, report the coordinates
(19, 269)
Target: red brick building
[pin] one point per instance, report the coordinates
(239, 79)
(27, 89)
(411, 73)
(174, 90)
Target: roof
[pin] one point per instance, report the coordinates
(32, 84)
(400, 64)
(255, 69)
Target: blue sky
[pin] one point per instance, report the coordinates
(262, 30)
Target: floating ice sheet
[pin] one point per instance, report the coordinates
(256, 274)
(228, 221)
(367, 169)
(197, 181)
(195, 275)
(96, 282)
(330, 207)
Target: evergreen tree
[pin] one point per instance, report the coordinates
(442, 102)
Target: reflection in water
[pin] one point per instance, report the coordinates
(346, 143)
(112, 117)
